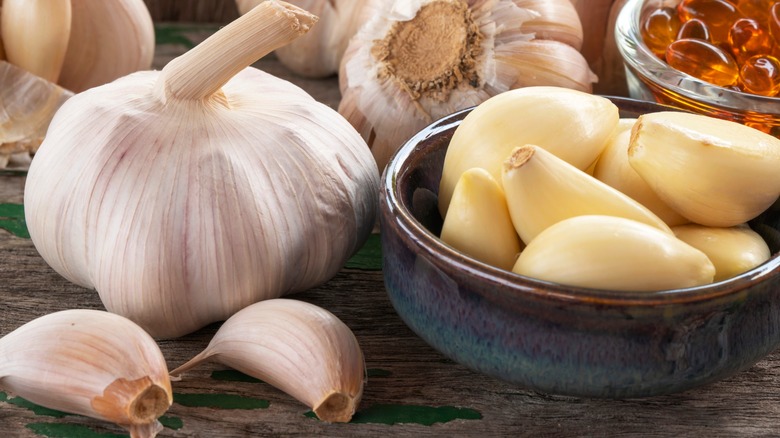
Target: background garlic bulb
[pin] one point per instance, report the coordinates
(78, 44)
(318, 53)
(416, 61)
(185, 195)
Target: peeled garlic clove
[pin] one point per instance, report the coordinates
(35, 35)
(478, 222)
(558, 20)
(185, 195)
(608, 252)
(416, 61)
(299, 348)
(573, 125)
(614, 169)
(732, 250)
(108, 39)
(90, 363)
(712, 171)
(541, 190)
(27, 104)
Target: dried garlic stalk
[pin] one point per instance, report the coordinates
(416, 61)
(91, 363)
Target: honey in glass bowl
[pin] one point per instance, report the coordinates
(715, 57)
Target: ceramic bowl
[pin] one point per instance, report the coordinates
(650, 78)
(555, 338)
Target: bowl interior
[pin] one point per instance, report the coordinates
(419, 167)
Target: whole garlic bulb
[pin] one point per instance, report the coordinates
(416, 61)
(185, 195)
(318, 53)
(78, 44)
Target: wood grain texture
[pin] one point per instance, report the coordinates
(411, 374)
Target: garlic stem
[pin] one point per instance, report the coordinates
(202, 71)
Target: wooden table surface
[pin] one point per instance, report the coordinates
(412, 390)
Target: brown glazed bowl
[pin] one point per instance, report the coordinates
(555, 338)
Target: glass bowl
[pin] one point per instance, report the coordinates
(649, 78)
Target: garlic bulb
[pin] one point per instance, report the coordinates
(713, 172)
(318, 53)
(608, 252)
(542, 189)
(91, 363)
(78, 44)
(416, 61)
(573, 125)
(185, 195)
(732, 250)
(558, 20)
(614, 169)
(478, 222)
(297, 347)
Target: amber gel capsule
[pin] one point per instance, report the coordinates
(659, 29)
(760, 75)
(718, 14)
(704, 61)
(694, 28)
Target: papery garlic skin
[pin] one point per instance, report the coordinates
(91, 363)
(573, 125)
(615, 253)
(478, 222)
(416, 61)
(297, 347)
(713, 172)
(614, 169)
(732, 250)
(182, 200)
(558, 20)
(542, 190)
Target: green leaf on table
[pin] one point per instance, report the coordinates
(36, 409)
(233, 376)
(410, 414)
(12, 220)
(174, 423)
(369, 257)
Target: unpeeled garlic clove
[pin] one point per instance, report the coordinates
(36, 35)
(573, 125)
(299, 348)
(614, 169)
(608, 252)
(733, 250)
(478, 222)
(558, 20)
(108, 39)
(712, 171)
(546, 63)
(541, 190)
(91, 363)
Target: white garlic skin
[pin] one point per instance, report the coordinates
(180, 213)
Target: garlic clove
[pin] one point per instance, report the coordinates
(712, 171)
(297, 347)
(35, 35)
(90, 363)
(558, 20)
(573, 125)
(541, 190)
(27, 105)
(614, 253)
(107, 40)
(732, 250)
(614, 169)
(551, 63)
(478, 222)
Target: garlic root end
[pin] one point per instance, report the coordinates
(336, 407)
